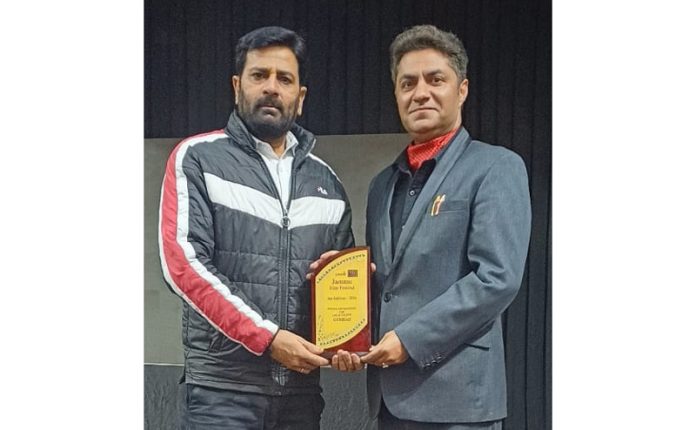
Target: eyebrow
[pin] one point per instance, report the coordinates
(428, 73)
(267, 69)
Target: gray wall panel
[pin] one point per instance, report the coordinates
(162, 307)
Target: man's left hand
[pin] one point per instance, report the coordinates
(388, 352)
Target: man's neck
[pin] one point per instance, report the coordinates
(278, 145)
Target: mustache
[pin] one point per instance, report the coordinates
(268, 101)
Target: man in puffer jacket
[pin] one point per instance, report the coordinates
(244, 210)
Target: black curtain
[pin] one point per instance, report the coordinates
(189, 61)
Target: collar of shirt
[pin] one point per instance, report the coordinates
(280, 167)
(265, 148)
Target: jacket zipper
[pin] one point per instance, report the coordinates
(278, 373)
(285, 269)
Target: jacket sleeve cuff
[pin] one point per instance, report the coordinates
(425, 360)
(259, 342)
(274, 334)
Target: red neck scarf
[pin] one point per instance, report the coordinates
(416, 154)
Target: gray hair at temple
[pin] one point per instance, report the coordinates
(425, 37)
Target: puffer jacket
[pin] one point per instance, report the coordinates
(238, 258)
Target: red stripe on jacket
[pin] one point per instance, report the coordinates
(188, 282)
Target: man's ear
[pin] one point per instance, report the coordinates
(300, 102)
(235, 87)
(463, 91)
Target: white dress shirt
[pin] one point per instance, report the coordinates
(279, 166)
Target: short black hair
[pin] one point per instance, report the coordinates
(271, 36)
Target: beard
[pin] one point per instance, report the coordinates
(265, 123)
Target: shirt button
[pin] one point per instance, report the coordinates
(387, 297)
(412, 192)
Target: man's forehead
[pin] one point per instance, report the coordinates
(424, 61)
(272, 55)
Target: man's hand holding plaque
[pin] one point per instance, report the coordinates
(341, 303)
(295, 353)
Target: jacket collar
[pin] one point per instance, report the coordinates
(241, 137)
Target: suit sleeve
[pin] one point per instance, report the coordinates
(498, 239)
(186, 239)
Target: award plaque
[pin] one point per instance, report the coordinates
(341, 302)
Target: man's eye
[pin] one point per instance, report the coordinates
(406, 85)
(285, 80)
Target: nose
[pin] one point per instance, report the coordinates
(271, 86)
(421, 94)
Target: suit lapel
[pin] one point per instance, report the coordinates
(383, 223)
(452, 153)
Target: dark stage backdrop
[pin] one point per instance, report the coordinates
(189, 61)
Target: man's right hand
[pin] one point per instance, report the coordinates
(295, 353)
